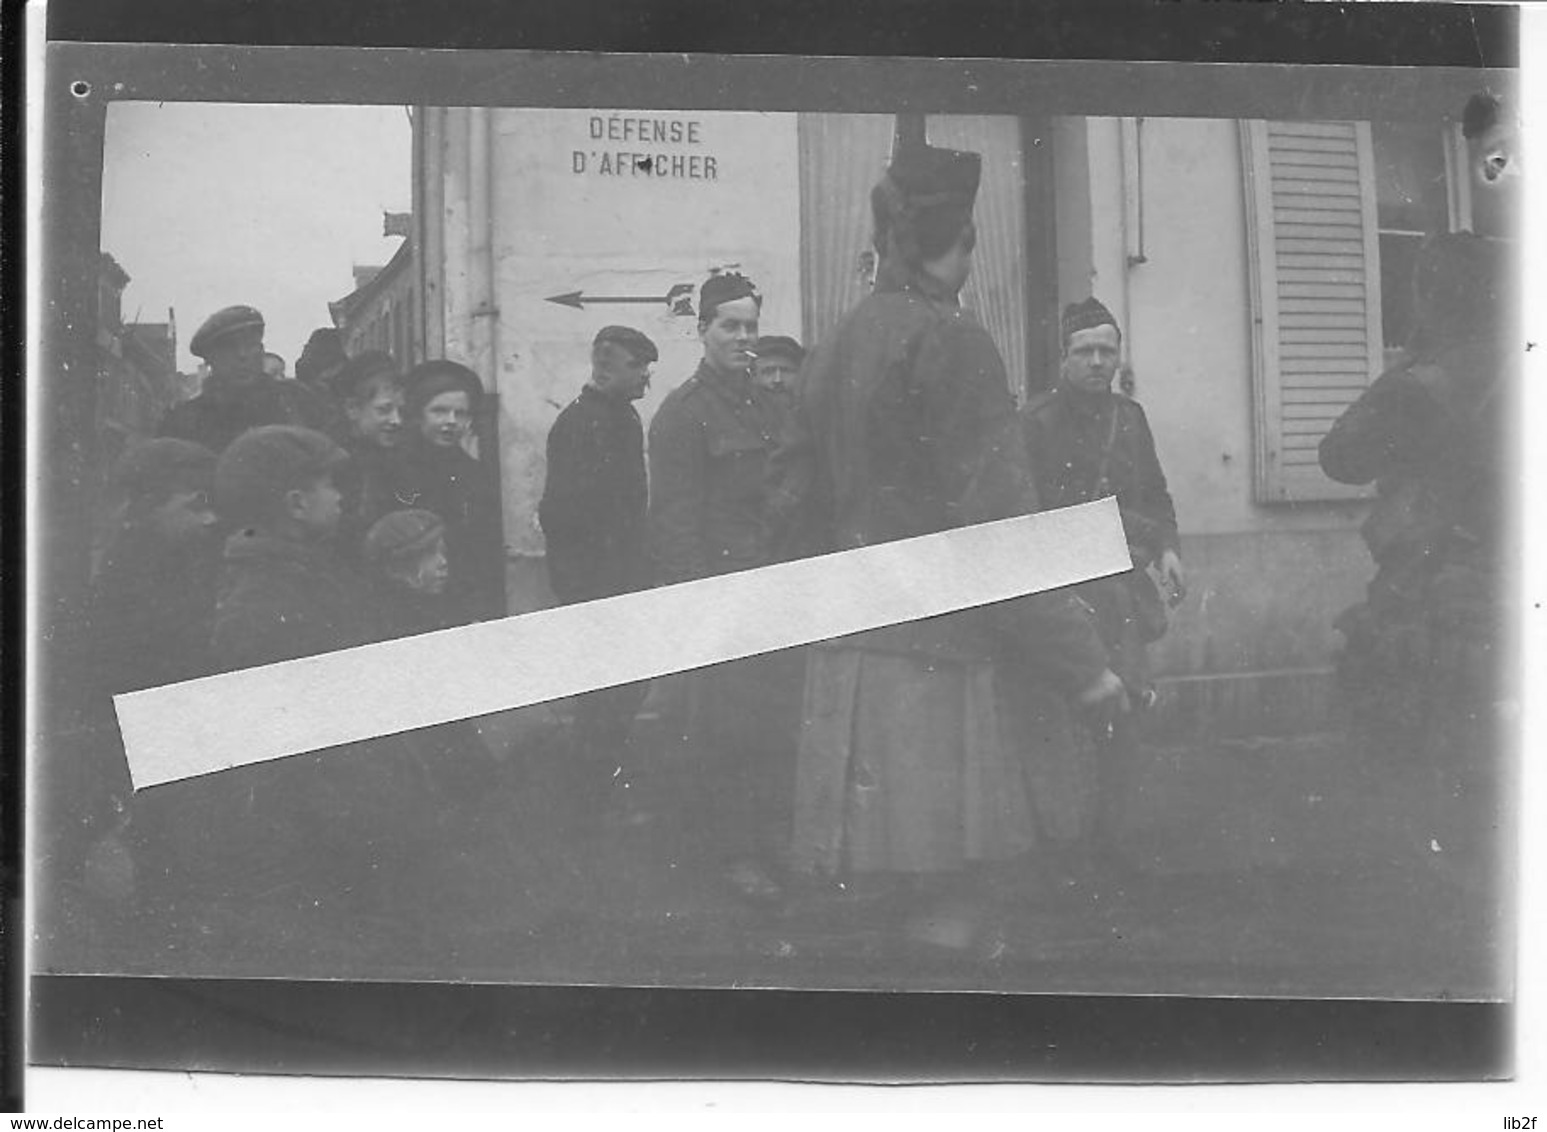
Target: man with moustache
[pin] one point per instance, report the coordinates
(709, 447)
(593, 518)
(238, 394)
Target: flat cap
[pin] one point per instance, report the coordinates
(401, 534)
(930, 175)
(725, 287)
(781, 345)
(259, 466)
(221, 324)
(635, 342)
(1086, 315)
(152, 467)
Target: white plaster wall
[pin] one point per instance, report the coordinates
(558, 231)
(1187, 316)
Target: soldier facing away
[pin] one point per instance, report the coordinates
(908, 774)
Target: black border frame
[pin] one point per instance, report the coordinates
(546, 1032)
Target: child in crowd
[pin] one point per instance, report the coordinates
(148, 624)
(313, 854)
(406, 550)
(442, 400)
(406, 553)
(370, 390)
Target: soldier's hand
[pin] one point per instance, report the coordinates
(1171, 573)
(1106, 694)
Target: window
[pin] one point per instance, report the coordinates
(1413, 201)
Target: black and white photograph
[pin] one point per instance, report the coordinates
(466, 337)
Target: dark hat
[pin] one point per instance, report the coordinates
(162, 466)
(779, 344)
(1084, 315)
(222, 324)
(725, 287)
(401, 535)
(929, 175)
(361, 368)
(262, 464)
(630, 339)
(323, 351)
(428, 380)
(923, 203)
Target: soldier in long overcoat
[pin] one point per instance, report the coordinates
(907, 765)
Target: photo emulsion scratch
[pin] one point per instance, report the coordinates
(1034, 540)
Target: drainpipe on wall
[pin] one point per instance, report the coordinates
(485, 329)
(480, 226)
(1131, 159)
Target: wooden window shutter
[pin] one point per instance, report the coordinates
(1315, 282)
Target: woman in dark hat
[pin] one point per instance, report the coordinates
(442, 400)
(908, 778)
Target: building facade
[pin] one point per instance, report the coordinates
(136, 367)
(1257, 267)
(382, 312)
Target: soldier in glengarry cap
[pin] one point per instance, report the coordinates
(710, 441)
(237, 394)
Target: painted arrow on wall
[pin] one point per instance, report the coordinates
(679, 299)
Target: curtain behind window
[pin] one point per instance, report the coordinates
(841, 158)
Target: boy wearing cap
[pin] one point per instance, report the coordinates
(777, 368)
(709, 447)
(593, 519)
(406, 551)
(311, 850)
(442, 399)
(908, 774)
(237, 394)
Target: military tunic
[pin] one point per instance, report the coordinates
(710, 442)
(1087, 446)
(1077, 456)
(709, 446)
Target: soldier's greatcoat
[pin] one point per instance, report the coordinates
(710, 443)
(907, 762)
